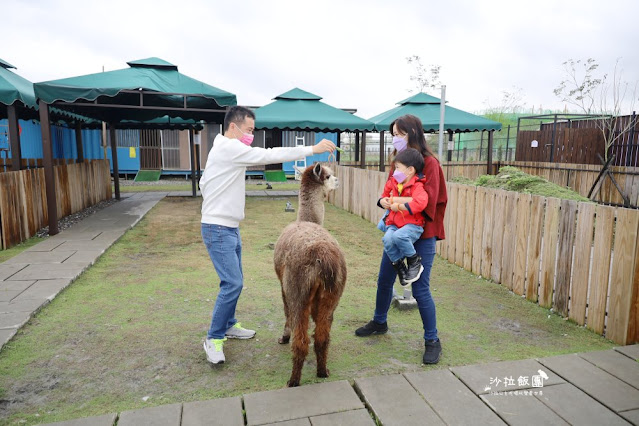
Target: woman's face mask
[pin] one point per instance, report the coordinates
(399, 143)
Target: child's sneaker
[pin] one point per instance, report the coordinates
(415, 269)
(214, 350)
(237, 332)
(400, 267)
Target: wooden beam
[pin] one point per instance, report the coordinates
(192, 150)
(49, 173)
(14, 137)
(489, 161)
(382, 166)
(114, 159)
(362, 147)
(78, 143)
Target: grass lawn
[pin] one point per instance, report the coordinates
(132, 325)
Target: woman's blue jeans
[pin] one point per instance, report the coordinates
(421, 288)
(225, 250)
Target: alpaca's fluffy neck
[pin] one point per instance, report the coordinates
(311, 205)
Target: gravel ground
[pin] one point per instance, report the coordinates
(163, 181)
(68, 221)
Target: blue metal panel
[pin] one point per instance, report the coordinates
(321, 158)
(126, 164)
(63, 141)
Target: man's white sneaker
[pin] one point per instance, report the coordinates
(237, 332)
(214, 350)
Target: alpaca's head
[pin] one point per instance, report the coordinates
(319, 177)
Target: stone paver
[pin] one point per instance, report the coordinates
(576, 407)
(296, 422)
(222, 412)
(105, 420)
(27, 305)
(109, 237)
(522, 410)
(85, 256)
(50, 271)
(631, 351)
(74, 234)
(451, 399)
(347, 418)
(14, 320)
(82, 245)
(55, 256)
(162, 415)
(305, 401)
(632, 416)
(616, 364)
(394, 401)
(16, 285)
(46, 245)
(478, 377)
(43, 290)
(606, 388)
(8, 270)
(8, 295)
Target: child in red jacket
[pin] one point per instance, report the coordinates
(404, 223)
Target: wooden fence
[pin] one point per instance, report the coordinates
(23, 198)
(578, 177)
(545, 249)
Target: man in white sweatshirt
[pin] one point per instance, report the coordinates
(223, 192)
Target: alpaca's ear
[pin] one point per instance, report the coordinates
(317, 171)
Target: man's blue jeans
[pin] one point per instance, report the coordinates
(225, 250)
(421, 288)
(398, 242)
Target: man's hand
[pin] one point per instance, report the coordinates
(323, 146)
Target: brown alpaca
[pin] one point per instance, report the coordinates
(311, 267)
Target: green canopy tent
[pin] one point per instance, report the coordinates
(301, 110)
(150, 89)
(18, 101)
(428, 109)
(298, 109)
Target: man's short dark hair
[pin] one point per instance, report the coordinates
(410, 157)
(237, 115)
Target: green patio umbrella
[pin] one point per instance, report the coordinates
(301, 110)
(148, 89)
(427, 108)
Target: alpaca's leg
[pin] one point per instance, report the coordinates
(300, 343)
(286, 335)
(323, 322)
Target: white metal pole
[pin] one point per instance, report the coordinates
(442, 103)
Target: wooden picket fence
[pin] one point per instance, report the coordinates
(578, 177)
(557, 253)
(23, 198)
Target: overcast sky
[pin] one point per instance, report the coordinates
(351, 53)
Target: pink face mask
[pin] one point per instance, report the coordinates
(246, 138)
(399, 176)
